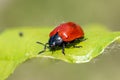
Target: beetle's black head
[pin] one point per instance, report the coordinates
(55, 40)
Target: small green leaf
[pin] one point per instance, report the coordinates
(18, 45)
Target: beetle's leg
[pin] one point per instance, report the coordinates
(83, 39)
(52, 49)
(80, 40)
(77, 46)
(63, 48)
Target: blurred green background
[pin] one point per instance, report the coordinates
(52, 12)
(19, 13)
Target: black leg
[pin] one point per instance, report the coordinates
(63, 48)
(77, 46)
(53, 49)
(83, 39)
(80, 40)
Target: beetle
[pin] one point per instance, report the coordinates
(62, 35)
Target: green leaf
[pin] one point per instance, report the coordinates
(19, 44)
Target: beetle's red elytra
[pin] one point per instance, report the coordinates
(68, 31)
(62, 35)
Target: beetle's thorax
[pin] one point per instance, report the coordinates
(55, 40)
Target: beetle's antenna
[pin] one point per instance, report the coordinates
(40, 43)
(45, 46)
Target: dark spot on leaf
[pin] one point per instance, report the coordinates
(21, 34)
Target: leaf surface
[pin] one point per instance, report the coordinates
(19, 44)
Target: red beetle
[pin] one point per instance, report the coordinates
(64, 34)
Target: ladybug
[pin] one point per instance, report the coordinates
(63, 35)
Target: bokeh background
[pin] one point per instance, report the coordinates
(15, 13)
(20, 13)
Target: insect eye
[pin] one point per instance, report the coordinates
(59, 38)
